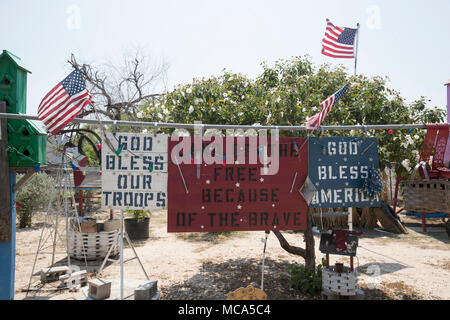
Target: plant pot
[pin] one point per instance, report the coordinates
(137, 230)
(339, 267)
(112, 225)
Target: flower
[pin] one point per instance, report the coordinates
(140, 115)
(191, 109)
(406, 164)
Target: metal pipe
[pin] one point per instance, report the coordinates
(223, 126)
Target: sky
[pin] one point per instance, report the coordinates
(406, 40)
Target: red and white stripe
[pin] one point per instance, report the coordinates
(57, 109)
(316, 120)
(330, 46)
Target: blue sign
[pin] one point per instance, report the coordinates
(338, 168)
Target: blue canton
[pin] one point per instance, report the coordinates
(74, 83)
(347, 36)
(338, 95)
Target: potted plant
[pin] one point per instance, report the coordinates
(137, 227)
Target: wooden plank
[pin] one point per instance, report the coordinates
(5, 209)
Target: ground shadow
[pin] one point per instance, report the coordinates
(216, 280)
(213, 237)
(394, 291)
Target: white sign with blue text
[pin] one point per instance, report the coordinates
(134, 174)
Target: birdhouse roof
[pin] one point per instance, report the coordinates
(17, 61)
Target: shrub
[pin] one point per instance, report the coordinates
(34, 195)
(306, 281)
(139, 215)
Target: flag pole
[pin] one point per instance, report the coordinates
(357, 40)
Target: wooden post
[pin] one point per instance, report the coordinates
(424, 223)
(7, 216)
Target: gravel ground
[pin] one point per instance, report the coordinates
(208, 266)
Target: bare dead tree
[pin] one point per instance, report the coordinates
(307, 253)
(117, 92)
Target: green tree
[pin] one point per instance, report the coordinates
(34, 195)
(289, 92)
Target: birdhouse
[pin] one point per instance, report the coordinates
(26, 139)
(13, 83)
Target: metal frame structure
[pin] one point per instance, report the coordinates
(160, 125)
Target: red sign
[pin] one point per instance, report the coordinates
(237, 196)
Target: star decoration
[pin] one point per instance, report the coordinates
(238, 185)
(308, 191)
(208, 182)
(345, 159)
(273, 205)
(239, 207)
(370, 159)
(203, 207)
(262, 180)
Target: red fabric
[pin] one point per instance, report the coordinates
(340, 237)
(427, 147)
(440, 146)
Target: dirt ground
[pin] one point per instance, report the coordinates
(208, 266)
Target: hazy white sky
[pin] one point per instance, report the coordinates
(407, 40)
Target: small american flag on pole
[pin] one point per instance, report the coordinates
(339, 42)
(64, 102)
(316, 120)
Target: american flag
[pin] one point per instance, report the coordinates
(339, 42)
(316, 120)
(64, 102)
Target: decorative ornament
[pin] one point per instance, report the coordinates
(308, 191)
(74, 167)
(372, 185)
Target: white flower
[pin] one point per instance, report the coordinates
(416, 137)
(140, 115)
(416, 155)
(407, 164)
(191, 109)
(160, 116)
(145, 131)
(165, 111)
(317, 109)
(278, 99)
(409, 140)
(243, 97)
(352, 132)
(188, 90)
(181, 133)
